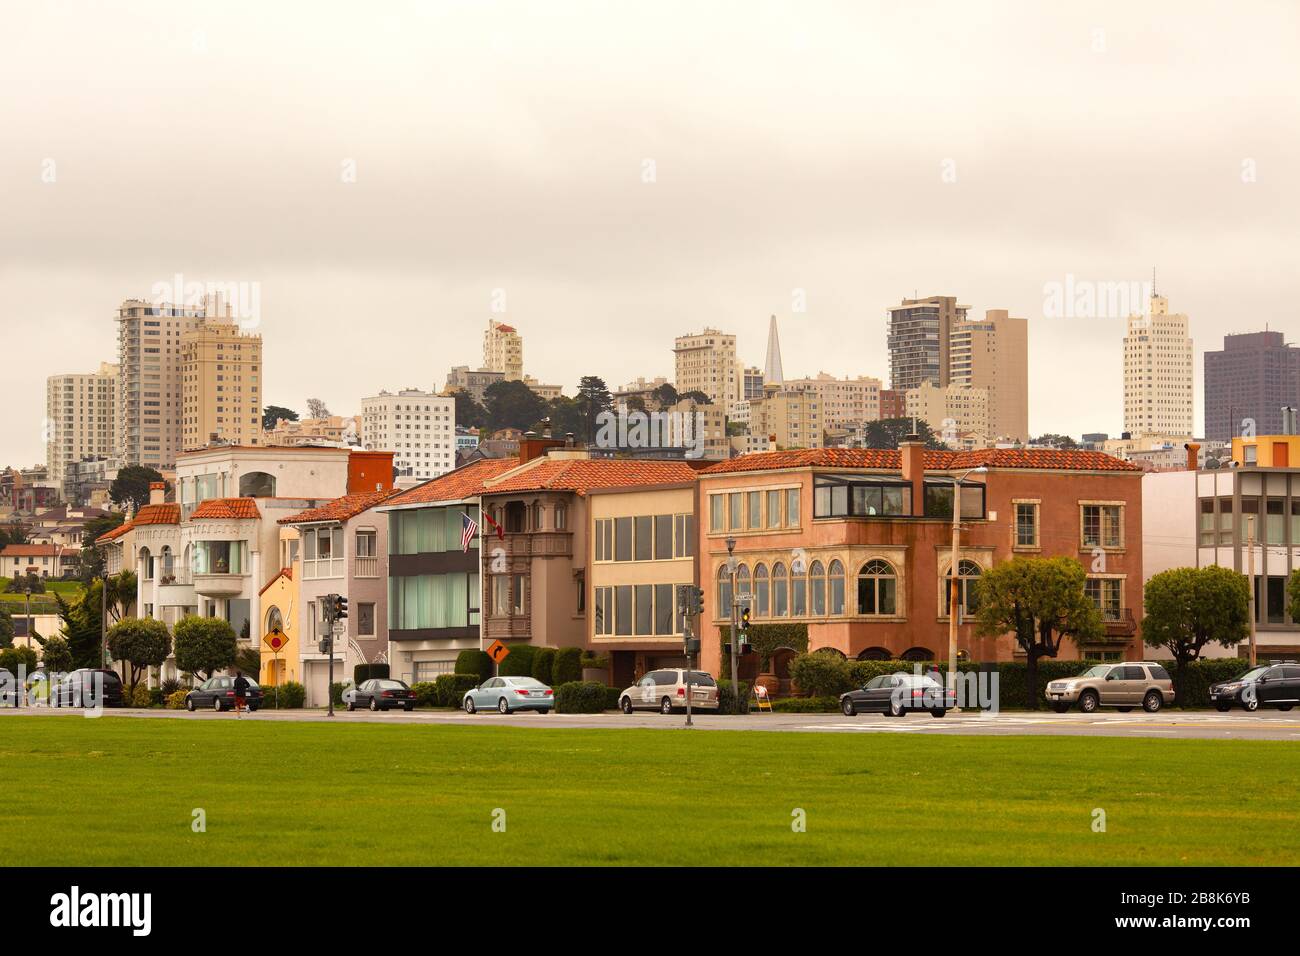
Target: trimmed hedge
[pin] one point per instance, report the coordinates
(580, 697)
(336, 692)
(474, 662)
(612, 696)
(806, 705)
(568, 665)
(728, 703)
(1200, 675)
(364, 672)
(449, 689)
(766, 640)
(292, 696)
(543, 664)
(519, 662)
(820, 675)
(425, 692)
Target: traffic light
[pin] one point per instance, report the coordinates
(744, 622)
(697, 600)
(340, 607)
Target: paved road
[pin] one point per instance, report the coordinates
(1271, 725)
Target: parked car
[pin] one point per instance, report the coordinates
(380, 693)
(896, 694)
(1123, 686)
(8, 689)
(1269, 685)
(88, 686)
(218, 693)
(508, 694)
(664, 690)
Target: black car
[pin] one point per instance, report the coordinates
(896, 694)
(380, 693)
(87, 687)
(1269, 685)
(218, 693)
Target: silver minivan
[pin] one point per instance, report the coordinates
(664, 690)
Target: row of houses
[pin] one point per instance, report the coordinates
(574, 550)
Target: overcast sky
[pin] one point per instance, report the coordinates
(858, 152)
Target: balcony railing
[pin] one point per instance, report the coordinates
(1119, 622)
(366, 567)
(538, 544)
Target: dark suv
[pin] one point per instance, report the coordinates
(87, 687)
(1269, 685)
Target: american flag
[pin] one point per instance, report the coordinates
(468, 528)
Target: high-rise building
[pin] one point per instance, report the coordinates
(993, 354)
(918, 340)
(474, 381)
(706, 362)
(503, 350)
(80, 418)
(418, 427)
(792, 417)
(957, 414)
(1249, 381)
(751, 383)
(845, 402)
(222, 381)
(149, 398)
(773, 373)
(1158, 372)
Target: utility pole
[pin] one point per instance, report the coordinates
(954, 589)
(735, 643)
(1250, 579)
(331, 600)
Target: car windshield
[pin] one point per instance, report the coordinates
(1096, 670)
(1253, 673)
(524, 682)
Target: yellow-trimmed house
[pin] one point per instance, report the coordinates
(280, 617)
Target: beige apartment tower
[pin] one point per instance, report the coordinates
(957, 414)
(993, 354)
(149, 405)
(707, 363)
(80, 418)
(1158, 395)
(844, 402)
(790, 416)
(503, 350)
(221, 367)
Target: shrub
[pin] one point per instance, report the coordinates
(474, 662)
(806, 705)
(292, 696)
(543, 664)
(176, 699)
(425, 692)
(612, 696)
(204, 644)
(170, 686)
(363, 672)
(449, 689)
(1201, 674)
(820, 675)
(519, 662)
(336, 692)
(140, 697)
(728, 700)
(568, 665)
(13, 658)
(56, 655)
(580, 697)
(595, 661)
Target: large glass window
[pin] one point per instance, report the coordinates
(717, 513)
(774, 509)
(967, 579)
(322, 552)
(644, 537)
(1107, 594)
(622, 539)
(1101, 526)
(939, 494)
(645, 609)
(623, 609)
(792, 507)
(839, 497)
(684, 536)
(761, 590)
(1026, 524)
(1274, 521)
(755, 509)
(440, 600)
(663, 609)
(219, 557)
(1205, 521)
(724, 591)
(663, 537)
(877, 586)
(817, 587)
(836, 581)
(737, 508)
(780, 592)
(798, 593)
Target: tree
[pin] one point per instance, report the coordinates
(1056, 441)
(666, 395)
(122, 589)
(696, 396)
(1187, 608)
(593, 399)
(13, 532)
(91, 562)
(249, 661)
(277, 413)
(81, 628)
(468, 411)
(6, 627)
(204, 644)
(316, 408)
(513, 405)
(891, 432)
(56, 655)
(18, 660)
(131, 486)
(565, 417)
(140, 643)
(1040, 601)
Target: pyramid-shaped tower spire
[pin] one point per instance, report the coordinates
(773, 374)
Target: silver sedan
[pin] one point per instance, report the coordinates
(509, 694)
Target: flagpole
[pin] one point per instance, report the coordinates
(482, 577)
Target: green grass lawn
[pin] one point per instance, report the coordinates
(122, 791)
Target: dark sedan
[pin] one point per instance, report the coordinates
(380, 693)
(218, 693)
(89, 687)
(1270, 685)
(896, 694)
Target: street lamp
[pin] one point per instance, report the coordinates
(735, 643)
(954, 589)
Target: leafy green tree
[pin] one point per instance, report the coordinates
(278, 413)
(131, 486)
(1040, 601)
(636, 404)
(566, 419)
(121, 594)
(1064, 442)
(665, 395)
(18, 660)
(140, 643)
(513, 405)
(204, 645)
(81, 626)
(249, 660)
(6, 627)
(469, 412)
(891, 432)
(13, 532)
(593, 398)
(1187, 608)
(694, 395)
(56, 655)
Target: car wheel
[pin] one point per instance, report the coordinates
(469, 705)
(1060, 708)
(625, 705)
(189, 704)
(502, 706)
(1250, 705)
(938, 712)
(216, 705)
(374, 706)
(896, 709)
(1088, 701)
(544, 710)
(1223, 708)
(666, 706)
(408, 707)
(352, 705)
(1152, 701)
(1124, 710)
(846, 705)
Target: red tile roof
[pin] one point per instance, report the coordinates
(465, 482)
(115, 533)
(229, 508)
(34, 551)
(168, 513)
(588, 474)
(340, 509)
(940, 460)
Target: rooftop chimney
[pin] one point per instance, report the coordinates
(157, 492)
(1192, 448)
(911, 454)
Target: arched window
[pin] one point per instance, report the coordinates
(167, 571)
(780, 594)
(742, 585)
(257, 484)
(874, 654)
(724, 592)
(918, 654)
(274, 620)
(968, 573)
(837, 587)
(537, 516)
(798, 589)
(817, 585)
(760, 591)
(877, 585)
(144, 561)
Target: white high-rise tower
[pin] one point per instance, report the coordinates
(773, 374)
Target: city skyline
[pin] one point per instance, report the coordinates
(600, 245)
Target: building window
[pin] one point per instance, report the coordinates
(717, 510)
(644, 537)
(968, 573)
(836, 580)
(663, 609)
(737, 507)
(644, 608)
(1027, 524)
(817, 586)
(1107, 594)
(755, 510)
(780, 593)
(1102, 526)
(877, 587)
(366, 544)
(366, 620)
(761, 586)
(623, 610)
(1205, 524)
(792, 507)
(774, 509)
(560, 517)
(724, 592)
(519, 589)
(322, 553)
